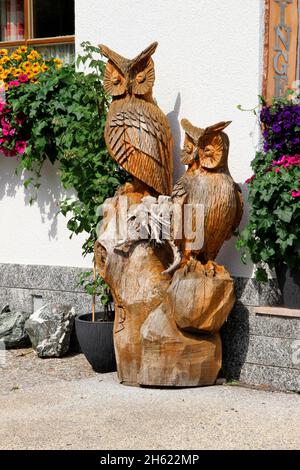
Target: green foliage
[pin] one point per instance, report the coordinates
(65, 119)
(273, 230)
(97, 287)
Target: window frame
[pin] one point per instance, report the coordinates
(28, 33)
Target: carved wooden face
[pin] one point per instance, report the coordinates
(190, 151)
(210, 146)
(124, 76)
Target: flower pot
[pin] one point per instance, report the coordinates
(289, 284)
(96, 341)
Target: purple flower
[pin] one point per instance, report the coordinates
(265, 115)
(276, 128)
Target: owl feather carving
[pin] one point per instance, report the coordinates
(207, 181)
(137, 133)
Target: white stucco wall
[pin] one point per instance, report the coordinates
(207, 62)
(35, 234)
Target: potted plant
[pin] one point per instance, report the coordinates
(272, 235)
(95, 330)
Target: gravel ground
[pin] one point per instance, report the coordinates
(63, 404)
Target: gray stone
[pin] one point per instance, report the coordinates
(41, 277)
(250, 292)
(12, 328)
(247, 291)
(243, 322)
(49, 329)
(278, 378)
(269, 293)
(22, 299)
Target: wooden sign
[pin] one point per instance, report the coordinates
(281, 54)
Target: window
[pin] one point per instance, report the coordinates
(48, 25)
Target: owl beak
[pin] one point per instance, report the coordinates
(196, 155)
(129, 86)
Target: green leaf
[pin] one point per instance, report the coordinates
(261, 275)
(284, 214)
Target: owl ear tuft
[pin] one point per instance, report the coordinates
(115, 58)
(145, 54)
(193, 132)
(216, 128)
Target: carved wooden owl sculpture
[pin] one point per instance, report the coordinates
(208, 181)
(137, 133)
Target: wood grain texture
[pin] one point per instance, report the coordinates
(137, 132)
(138, 287)
(208, 182)
(167, 322)
(166, 327)
(280, 45)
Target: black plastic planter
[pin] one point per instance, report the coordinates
(96, 342)
(289, 284)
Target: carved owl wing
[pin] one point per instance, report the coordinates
(139, 138)
(239, 207)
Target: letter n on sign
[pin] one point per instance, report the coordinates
(281, 50)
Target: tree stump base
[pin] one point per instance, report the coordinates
(166, 330)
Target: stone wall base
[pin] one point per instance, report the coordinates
(262, 349)
(257, 349)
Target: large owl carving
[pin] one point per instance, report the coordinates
(208, 181)
(137, 133)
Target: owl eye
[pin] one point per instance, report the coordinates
(141, 77)
(209, 151)
(116, 79)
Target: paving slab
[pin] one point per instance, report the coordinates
(63, 404)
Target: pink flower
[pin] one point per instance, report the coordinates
(14, 83)
(277, 170)
(21, 147)
(23, 78)
(287, 161)
(296, 193)
(6, 131)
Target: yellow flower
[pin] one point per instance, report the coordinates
(58, 62)
(6, 86)
(4, 59)
(30, 75)
(18, 72)
(3, 52)
(45, 68)
(36, 69)
(22, 50)
(33, 55)
(26, 65)
(15, 56)
(5, 74)
(1, 69)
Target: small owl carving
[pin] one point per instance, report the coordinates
(137, 133)
(207, 181)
